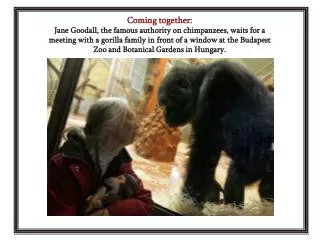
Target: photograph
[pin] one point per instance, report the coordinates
(160, 137)
(161, 112)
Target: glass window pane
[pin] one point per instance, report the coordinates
(159, 154)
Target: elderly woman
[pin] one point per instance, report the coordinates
(92, 155)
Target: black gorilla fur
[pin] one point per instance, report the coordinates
(230, 110)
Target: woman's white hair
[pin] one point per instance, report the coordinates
(107, 114)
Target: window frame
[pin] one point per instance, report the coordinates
(62, 103)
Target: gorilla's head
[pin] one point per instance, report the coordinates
(176, 97)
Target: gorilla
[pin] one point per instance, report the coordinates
(230, 110)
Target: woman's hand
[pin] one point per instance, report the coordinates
(101, 212)
(93, 202)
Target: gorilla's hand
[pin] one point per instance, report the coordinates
(214, 192)
(195, 188)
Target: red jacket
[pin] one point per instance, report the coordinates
(71, 179)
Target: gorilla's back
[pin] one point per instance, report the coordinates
(248, 131)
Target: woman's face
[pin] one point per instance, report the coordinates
(128, 131)
(125, 135)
